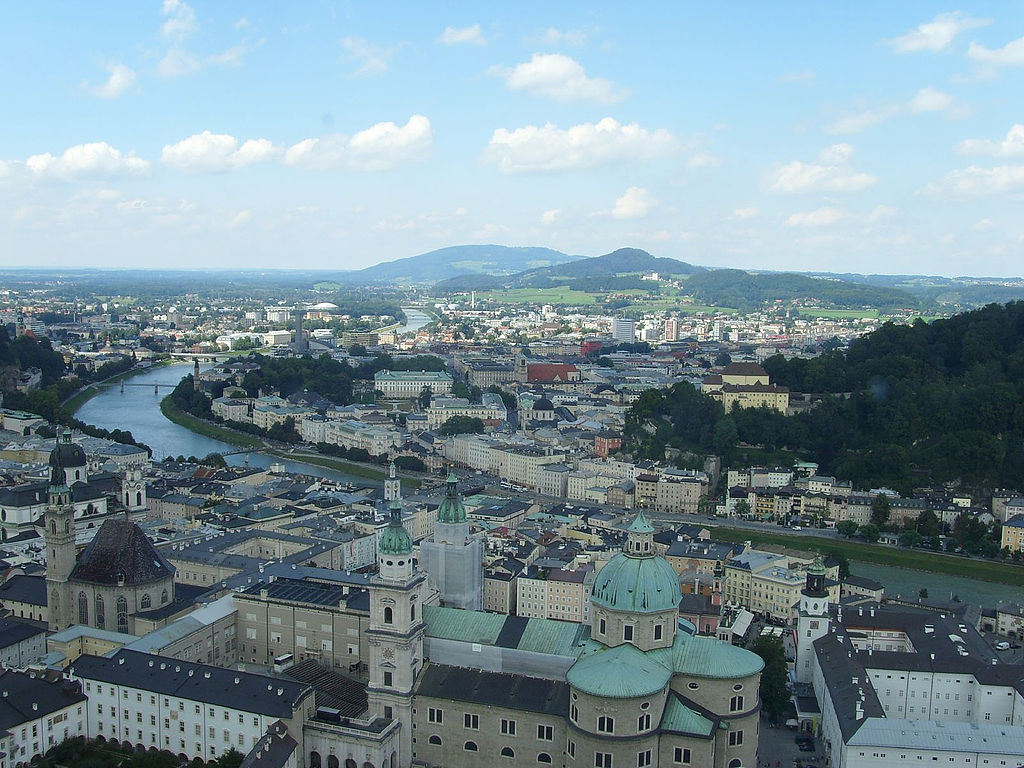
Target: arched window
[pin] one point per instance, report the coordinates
(507, 752)
(389, 615)
(53, 526)
(735, 763)
(101, 616)
(163, 597)
(146, 601)
(544, 757)
(67, 526)
(332, 761)
(644, 723)
(350, 763)
(470, 746)
(412, 612)
(314, 759)
(435, 739)
(83, 608)
(122, 614)
(138, 499)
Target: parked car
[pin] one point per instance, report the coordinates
(1003, 645)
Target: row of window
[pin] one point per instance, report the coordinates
(627, 630)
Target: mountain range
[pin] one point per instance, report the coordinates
(456, 260)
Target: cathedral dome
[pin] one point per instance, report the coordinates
(395, 540)
(636, 580)
(452, 510)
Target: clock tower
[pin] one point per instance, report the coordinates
(396, 629)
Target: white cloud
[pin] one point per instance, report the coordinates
(5, 169)
(704, 160)
(231, 57)
(983, 225)
(242, 23)
(881, 212)
(1011, 146)
(241, 218)
(209, 151)
(745, 213)
(380, 147)
(178, 62)
(561, 78)
(831, 173)
(861, 121)
(634, 204)
(180, 21)
(462, 36)
(372, 59)
(799, 76)
(553, 37)
(976, 181)
(837, 153)
(549, 148)
(94, 160)
(930, 100)
(121, 79)
(1010, 55)
(937, 34)
(820, 217)
(550, 217)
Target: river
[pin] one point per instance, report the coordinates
(137, 410)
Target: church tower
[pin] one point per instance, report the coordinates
(59, 537)
(454, 559)
(392, 485)
(396, 629)
(813, 621)
(195, 375)
(133, 490)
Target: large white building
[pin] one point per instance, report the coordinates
(409, 384)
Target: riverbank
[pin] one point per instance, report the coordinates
(244, 440)
(914, 559)
(89, 391)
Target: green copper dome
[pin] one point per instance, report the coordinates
(395, 540)
(452, 510)
(623, 672)
(636, 580)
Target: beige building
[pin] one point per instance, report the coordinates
(767, 583)
(746, 385)
(553, 593)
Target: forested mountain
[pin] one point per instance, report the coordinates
(459, 260)
(744, 290)
(908, 405)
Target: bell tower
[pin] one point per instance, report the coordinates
(59, 537)
(133, 490)
(392, 485)
(813, 621)
(396, 629)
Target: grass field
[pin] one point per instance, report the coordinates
(838, 314)
(933, 562)
(559, 295)
(201, 427)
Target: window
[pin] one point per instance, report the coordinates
(163, 597)
(736, 704)
(643, 759)
(735, 738)
(627, 634)
(544, 757)
(470, 746)
(570, 748)
(508, 727)
(83, 608)
(100, 613)
(574, 714)
(545, 733)
(602, 760)
(644, 722)
(681, 755)
(471, 721)
(389, 615)
(657, 631)
(606, 724)
(601, 627)
(435, 715)
(122, 614)
(508, 752)
(146, 601)
(435, 740)
(388, 678)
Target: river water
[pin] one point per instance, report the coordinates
(137, 410)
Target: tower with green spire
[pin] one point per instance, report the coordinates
(395, 633)
(452, 557)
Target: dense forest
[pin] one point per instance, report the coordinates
(905, 405)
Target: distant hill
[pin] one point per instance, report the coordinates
(457, 260)
(597, 273)
(946, 292)
(744, 290)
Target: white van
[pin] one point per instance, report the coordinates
(1003, 645)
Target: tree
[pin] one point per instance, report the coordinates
(230, 759)
(844, 562)
(774, 689)
(425, 395)
(911, 539)
(742, 508)
(880, 510)
(846, 528)
(357, 350)
(723, 359)
(869, 531)
(460, 425)
(922, 593)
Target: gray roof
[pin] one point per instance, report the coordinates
(22, 691)
(940, 736)
(495, 689)
(13, 632)
(24, 589)
(121, 552)
(260, 694)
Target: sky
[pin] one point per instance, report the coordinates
(843, 137)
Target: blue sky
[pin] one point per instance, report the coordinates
(869, 137)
